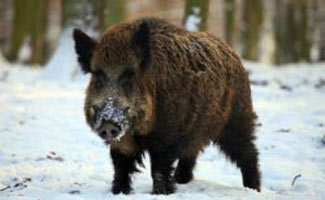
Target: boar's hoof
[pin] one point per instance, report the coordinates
(183, 176)
(163, 186)
(163, 189)
(121, 187)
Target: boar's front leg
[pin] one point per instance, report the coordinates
(161, 169)
(125, 155)
(122, 170)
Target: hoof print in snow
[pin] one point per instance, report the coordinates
(258, 124)
(283, 86)
(27, 179)
(320, 84)
(53, 156)
(269, 147)
(283, 130)
(17, 184)
(74, 192)
(4, 76)
(322, 141)
(259, 83)
(286, 88)
(21, 122)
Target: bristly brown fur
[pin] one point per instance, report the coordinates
(188, 89)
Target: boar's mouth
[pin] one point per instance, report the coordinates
(113, 116)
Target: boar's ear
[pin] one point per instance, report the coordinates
(84, 46)
(141, 39)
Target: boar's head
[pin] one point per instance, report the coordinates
(119, 96)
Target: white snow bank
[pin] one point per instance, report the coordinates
(63, 65)
(48, 152)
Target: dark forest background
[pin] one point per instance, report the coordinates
(269, 31)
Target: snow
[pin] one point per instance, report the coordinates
(62, 66)
(193, 20)
(48, 152)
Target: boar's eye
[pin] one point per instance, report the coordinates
(125, 79)
(99, 78)
(98, 73)
(127, 74)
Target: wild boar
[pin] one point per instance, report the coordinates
(156, 87)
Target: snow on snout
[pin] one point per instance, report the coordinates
(114, 115)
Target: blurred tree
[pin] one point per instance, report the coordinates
(293, 42)
(38, 19)
(30, 24)
(95, 15)
(80, 13)
(196, 14)
(31, 31)
(318, 24)
(230, 21)
(252, 26)
(20, 27)
(53, 27)
(111, 12)
(304, 34)
(5, 23)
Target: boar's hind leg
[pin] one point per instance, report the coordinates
(237, 143)
(185, 166)
(184, 170)
(124, 166)
(161, 168)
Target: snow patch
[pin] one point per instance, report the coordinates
(63, 66)
(193, 21)
(39, 116)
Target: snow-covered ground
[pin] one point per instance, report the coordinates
(48, 153)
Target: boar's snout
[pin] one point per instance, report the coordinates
(110, 121)
(109, 131)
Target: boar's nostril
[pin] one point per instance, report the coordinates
(114, 132)
(103, 134)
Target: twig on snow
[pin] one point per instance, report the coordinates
(5, 188)
(294, 179)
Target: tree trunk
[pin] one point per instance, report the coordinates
(6, 8)
(21, 20)
(230, 21)
(251, 33)
(37, 31)
(293, 42)
(111, 12)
